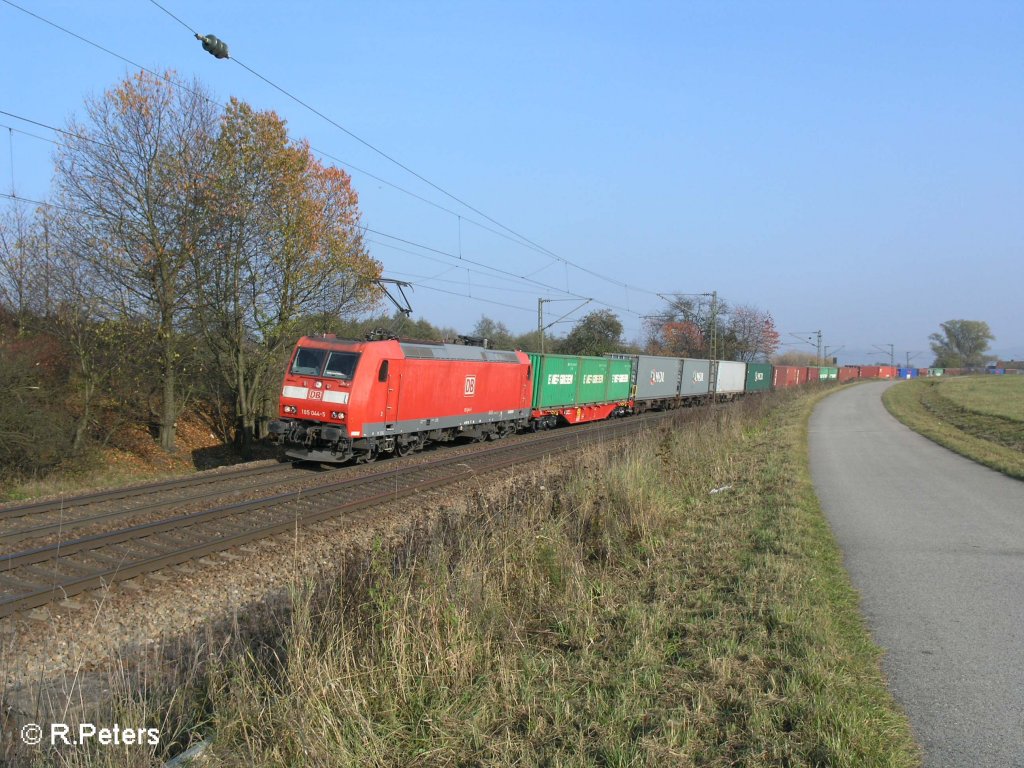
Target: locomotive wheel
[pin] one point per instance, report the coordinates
(403, 449)
(367, 458)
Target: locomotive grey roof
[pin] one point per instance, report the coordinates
(457, 352)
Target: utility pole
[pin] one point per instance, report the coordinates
(828, 355)
(798, 335)
(892, 355)
(540, 323)
(540, 316)
(713, 350)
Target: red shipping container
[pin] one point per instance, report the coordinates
(787, 376)
(877, 372)
(811, 374)
(849, 373)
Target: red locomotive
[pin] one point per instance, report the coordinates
(360, 399)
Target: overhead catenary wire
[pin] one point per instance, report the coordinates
(322, 153)
(408, 169)
(412, 277)
(498, 270)
(523, 241)
(79, 212)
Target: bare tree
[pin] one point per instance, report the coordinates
(684, 327)
(132, 181)
(26, 269)
(750, 334)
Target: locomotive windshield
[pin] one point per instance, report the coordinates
(341, 365)
(310, 362)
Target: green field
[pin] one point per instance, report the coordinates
(676, 601)
(1001, 396)
(980, 417)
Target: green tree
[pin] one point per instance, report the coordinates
(961, 344)
(597, 332)
(497, 334)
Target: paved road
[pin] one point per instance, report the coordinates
(935, 545)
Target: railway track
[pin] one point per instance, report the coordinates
(55, 518)
(35, 577)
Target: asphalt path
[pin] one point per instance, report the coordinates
(934, 543)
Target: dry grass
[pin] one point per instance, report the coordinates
(970, 416)
(136, 459)
(681, 602)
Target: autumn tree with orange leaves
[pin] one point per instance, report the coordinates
(283, 243)
(680, 330)
(210, 229)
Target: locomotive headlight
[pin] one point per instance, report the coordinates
(318, 384)
(290, 409)
(338, 415)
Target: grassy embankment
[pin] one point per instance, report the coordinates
(621, 614)
(980, 417)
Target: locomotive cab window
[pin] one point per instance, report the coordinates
(308, 361)
(341, 365)
(383, 374)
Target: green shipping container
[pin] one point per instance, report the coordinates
(828, 374)
(936, 371)
(561, 380)
(759, 377)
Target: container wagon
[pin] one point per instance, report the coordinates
(654, 380)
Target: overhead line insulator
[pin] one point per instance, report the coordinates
(213, 45)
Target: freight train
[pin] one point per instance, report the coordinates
(345, 400)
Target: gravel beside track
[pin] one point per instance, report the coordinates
(75, 650)
(29, 527)
(35, 577)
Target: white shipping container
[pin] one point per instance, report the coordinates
(731, 377)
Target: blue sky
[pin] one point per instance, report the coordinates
(856, 168)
